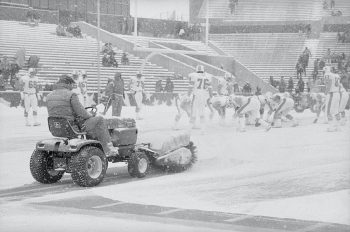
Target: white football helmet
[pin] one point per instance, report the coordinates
(200, 69)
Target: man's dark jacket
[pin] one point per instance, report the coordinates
(62, 102)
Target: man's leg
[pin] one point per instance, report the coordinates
(26, 109)
(34, 105)
(138, 100)
(120, 105)
(96, 127)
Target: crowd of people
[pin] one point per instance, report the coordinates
(10, 67)
(33, 17)
(343, 37)
(108, 59)
(232, 5)
(72, 30)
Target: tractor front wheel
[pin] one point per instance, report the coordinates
(89, 166)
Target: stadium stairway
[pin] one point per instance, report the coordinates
(143, 42)
(266, 54)
(61, 55)
(265, 10)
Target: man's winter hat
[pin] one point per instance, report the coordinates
(139, 74)
(117, 74)
(65, 79)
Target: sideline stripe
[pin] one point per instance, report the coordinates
(313, 227)
(108, 205)
(170, 211)
(28, 191)
(239, 218)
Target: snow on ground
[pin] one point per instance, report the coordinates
(300, 173)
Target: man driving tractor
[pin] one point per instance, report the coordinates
(62, 102)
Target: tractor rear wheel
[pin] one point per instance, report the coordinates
(41, 168)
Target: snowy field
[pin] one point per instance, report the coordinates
(293, 172)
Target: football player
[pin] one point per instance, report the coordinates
(247, 106)
(344, 98)
(137, 86)
(30, 95)
(281, 108)
(78, 79)
(332, 81)
(200, 86)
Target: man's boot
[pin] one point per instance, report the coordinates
(27, 121)
(112, 151)
(36, 123)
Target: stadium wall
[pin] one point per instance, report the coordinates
(240, 71)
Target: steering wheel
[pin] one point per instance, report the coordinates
(92, 109)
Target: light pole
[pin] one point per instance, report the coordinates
(98, 53)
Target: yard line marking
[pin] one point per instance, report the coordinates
(313, 227)
(169, 211)
(108, 205)
(239, 218)
(29, 190)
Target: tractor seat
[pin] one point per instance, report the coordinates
(61, 127)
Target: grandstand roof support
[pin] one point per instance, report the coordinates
(98, 53)
(207, 24)
(135, 23)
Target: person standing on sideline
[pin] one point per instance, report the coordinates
(115, 94)
(332, 81)
(136, 86)
(200, 86)
(30, 95)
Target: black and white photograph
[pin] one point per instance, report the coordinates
(175, 115)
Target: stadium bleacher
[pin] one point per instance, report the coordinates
(60, 55)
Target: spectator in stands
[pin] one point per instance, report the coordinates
(325, 5)
(20, 57)
(108, 49)
(300, 85)
(282, 86)
(14, 69)
(159, 86)
(332, 4)
(33, 61)
(236, 88)
(272, 81)
(308, 86)
(109, 60)
(33, 16)
(316, 66)
(290, 85)
(125, 26)
(328, 56)
(258, 91)
(169, 88)
(336, 13)
(247, 89)
(306, 54)
(60, 30)
(5, 68)
(300, 69)
(74, 30)
(125, 59)
(340, 38)
(182, 33)
(321, 64)
(232, 6)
